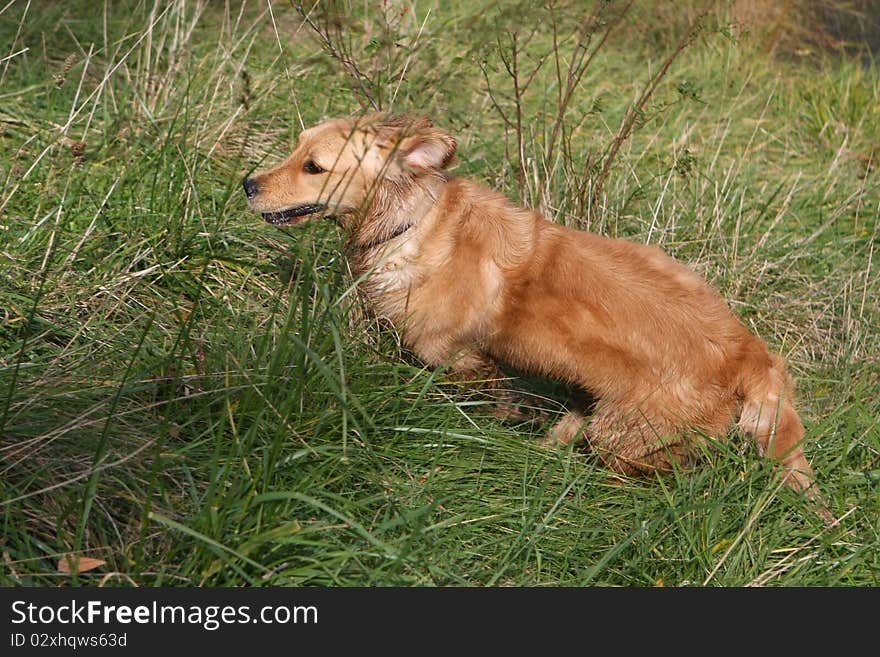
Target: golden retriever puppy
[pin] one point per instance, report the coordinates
(470, 280)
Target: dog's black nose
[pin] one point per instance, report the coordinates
(250, 187)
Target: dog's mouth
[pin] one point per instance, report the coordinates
(293, 215)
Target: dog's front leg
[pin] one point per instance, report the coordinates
(476, 370)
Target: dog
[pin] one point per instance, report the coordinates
(470, 281)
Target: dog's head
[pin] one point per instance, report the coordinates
(338, 166)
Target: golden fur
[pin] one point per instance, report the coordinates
(469, 279)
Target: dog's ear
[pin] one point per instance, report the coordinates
(426, 148)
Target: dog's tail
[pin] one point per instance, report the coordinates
(769, 416)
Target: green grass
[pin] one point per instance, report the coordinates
(198, 398)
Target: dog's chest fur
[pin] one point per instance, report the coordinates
(392, 271)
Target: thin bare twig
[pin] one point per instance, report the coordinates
(330, 37)
(580, 62)
(636, 110)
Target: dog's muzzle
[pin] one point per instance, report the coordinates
(251, 187)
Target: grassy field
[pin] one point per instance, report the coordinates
(197, 398)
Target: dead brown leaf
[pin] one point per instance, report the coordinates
(70, 563)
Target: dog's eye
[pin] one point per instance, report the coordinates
(311, 167)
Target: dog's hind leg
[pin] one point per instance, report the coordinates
(632, 443)
(569, 429)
